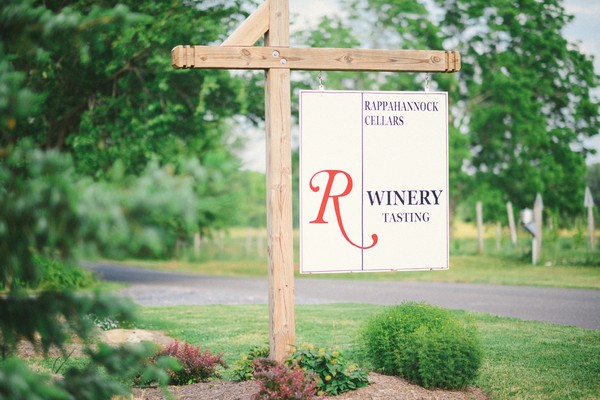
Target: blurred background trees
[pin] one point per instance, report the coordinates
(521, 107)
(153, 149)
(93, 81)
(102, 144)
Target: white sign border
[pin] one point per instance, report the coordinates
(362, 270)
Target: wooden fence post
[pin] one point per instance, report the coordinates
(588, 202)
(498, 235)
(197, 242)
(479, 209)
(511, 223)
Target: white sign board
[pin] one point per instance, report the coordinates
(373, 181)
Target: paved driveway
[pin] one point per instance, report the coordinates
(560, 306)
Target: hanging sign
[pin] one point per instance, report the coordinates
(373, 181)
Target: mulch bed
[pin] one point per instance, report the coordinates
(382, 387)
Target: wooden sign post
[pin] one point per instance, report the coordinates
(271, 19)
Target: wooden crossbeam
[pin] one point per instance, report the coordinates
(321, 59)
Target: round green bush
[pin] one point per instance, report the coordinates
(424, 344)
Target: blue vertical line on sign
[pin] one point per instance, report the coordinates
(362, 181)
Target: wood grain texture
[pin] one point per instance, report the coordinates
(322, 59)
(279, 191)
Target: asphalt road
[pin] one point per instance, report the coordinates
(561, 306)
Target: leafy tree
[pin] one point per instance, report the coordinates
(40, 220)
(144, 217)
(107, 94)
(527, 94)
(253, 209)
(109, 91)
(521, 106)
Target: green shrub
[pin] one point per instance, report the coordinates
(57, 275)
(243, 369)
(335, 375)
(424, 344)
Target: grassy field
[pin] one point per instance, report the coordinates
(523, 360)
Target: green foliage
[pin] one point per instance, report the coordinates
(279, 382)
(37, 211)
(335, 374)
(16, 101)
(110, 369)
(94, 81)
(138, 216)
(82, 85)
(252, 211)
(19, 383)
(109, 91)
(424, 344)
(57, 275)
(38, 226)
(52, 319)
(195, 366)
(243, 368)
(151, 215)
(524, 132)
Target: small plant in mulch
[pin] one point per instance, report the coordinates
(196, 365)
(335, 374)
(278, 381)
(243, 369)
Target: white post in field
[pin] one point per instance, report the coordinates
(538, 207)
(588, 202)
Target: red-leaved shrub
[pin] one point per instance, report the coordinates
(279, 382)
(196, 366)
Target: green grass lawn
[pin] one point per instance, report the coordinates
(523, 360)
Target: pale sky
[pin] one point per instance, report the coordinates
(585, 30)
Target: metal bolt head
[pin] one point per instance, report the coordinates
(275, 53)
(283, 61)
